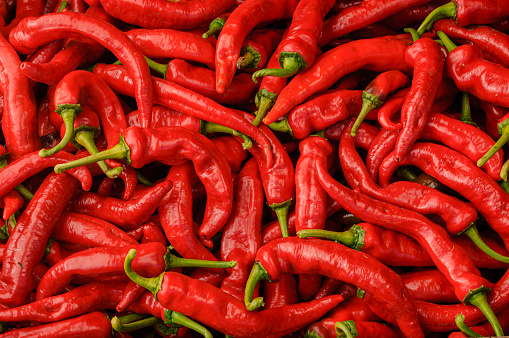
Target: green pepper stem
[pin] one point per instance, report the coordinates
(68, 117)
(117, 152)
(460, 323)
(86, 139)
(345, 237)
(20, 187)
(264, 100)
(369, 102)
(413, 33)
(504, 170)
(446, 11)
(405, 172)
(152, 284)
(504, 138)
(211, 127)
(283, 126)
(291, 66)
(473, 234)
(466, 112)
(447, 41)
(249, 58)
(281, 210)
(63, 5)
(505, 184)
(133, 322)
(479, 300)
(173, 262)
(160, 68)
(215, 27)
(346, 329)
(257, 274)
(142, 179)
(180, 319)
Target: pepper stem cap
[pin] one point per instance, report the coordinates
(175, 318)
(346, 329)
(478, 298)
(445, 11)
(68, 117)
(369, 102)
(281, 210)
(257, 274)
(152, 284)
(291, 64)
(173, 262)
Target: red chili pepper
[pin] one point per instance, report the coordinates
(192, 297)
(493, 114)
(294, 255)
(284, 292)
(377, 91)
(240, 22)
(297, 50)
(188, 102)
(163, 14)
(202, 80)
(352, 18)
(154, 259)
(334, 64)
(24, 9)
(126, 214)
(13, 202)
(170, 148)
(153, 233)
(34, 32)
(94, 324)
(467, 12)
(429, 285)
(173, 44)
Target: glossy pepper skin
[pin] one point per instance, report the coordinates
(19, 119)
(240, 22)
(336, 63)
(225, 313)
(34, 32)
(316, 256)
(26, 245)
(175, 145)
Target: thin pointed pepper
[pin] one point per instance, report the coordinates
(126, 214)
(298, 48)
(175, 145)
(153, 259)
(453, 261)
(34, 32)
(191, 297)
(377, 91)
(163, 14)
(240, 22)
(311, 256)
(340, 61)
(242, 233)
(467, 12)
(186, 101)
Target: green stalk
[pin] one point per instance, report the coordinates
(152, 284)
(211, 127)
(133, 322)
(68, 117)
(291, 65)
(160, 68)
(346, 329)
(504, 138)
(473, 234)
(173, 262)
(257, 274)
(446, 11)
(479, 299)
(264, 100)
(176, 318)
(460, 323)
(466, 112)
(369, 102)
(352, 238)
(447, 41)
(281, 210)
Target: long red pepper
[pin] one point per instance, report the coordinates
(241, 234)
(24, 9)
(175, 145)
(297, 50)
(240, 22)
(281, 293)
(227, 314)
(126, 214)
(456, 265)
(19, 122)
(311, 256)
(429, 285)
(186, 101)
(163, 14)
(26, 245)
(33, 32)
(338, 62)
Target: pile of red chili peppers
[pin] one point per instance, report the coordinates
(254, 168)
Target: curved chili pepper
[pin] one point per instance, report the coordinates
(24, 9)
(94, 324)
(234, 153)
(320, 113)
(241, 235)
(19, 119)
(154, 258)
(355, 17)
(459, 173)
(13, 202)
(467, 12)
(34, 32)
(298, 48)
(163, 14)
(240, 22)
(140, 146)
(202, 80)
(173, 44)
(284, 292)
(126, 214)
(27, 243)
(188, 102)
(338, 62)
(192, 297)
(294, 255)
(376, 92)
(429, 285)
(468, 284)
